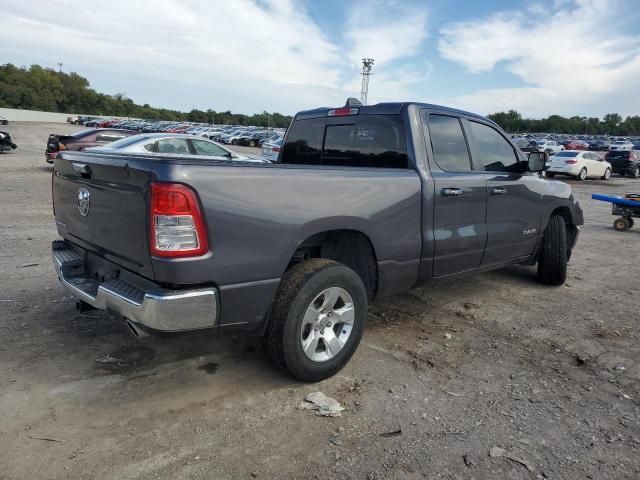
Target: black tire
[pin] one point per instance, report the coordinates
(234, 142)
(607, 174)
(252, 143)
(582, 175)
(621, 224)
(552, 260)
(636, 172)
(630, 220)
(548, 152)
(550, 174)
(298, 288)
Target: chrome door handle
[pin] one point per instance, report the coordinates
(451, 192)
(498, 191)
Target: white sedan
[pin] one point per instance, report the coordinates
(549, 146)
(579, 164)
(621, 145)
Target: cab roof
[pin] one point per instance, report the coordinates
(389, 108)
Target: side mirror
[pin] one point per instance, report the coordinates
(538, 161)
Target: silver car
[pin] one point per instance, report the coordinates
(271, 150)
(174, 144)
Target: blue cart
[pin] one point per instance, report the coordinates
(627, 208)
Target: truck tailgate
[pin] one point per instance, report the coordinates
(101, 205)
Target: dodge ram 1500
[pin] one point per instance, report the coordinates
(363, 202)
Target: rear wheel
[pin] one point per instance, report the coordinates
(607, 174)
(317, 320)
(252, 143)
(582, 175)
(622, 224)
(551, 174)
(552, 261)
(636, 172)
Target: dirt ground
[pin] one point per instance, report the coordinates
(549, 375)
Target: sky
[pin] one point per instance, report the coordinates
(567, 57)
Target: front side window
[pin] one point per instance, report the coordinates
(203, 147)
(174, 146)
(450, 150)
(494, 152)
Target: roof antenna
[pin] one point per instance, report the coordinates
(353, 102)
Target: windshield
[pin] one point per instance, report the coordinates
(541, 142)
(566, 154)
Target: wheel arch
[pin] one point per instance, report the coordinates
(572, 229)
(349, 246)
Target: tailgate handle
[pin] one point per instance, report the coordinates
(81, 168)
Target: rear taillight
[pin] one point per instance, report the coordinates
(53, 198)
(571, 162)
(61, 146)
(177, 226)
(275, 149)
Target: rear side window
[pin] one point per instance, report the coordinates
(450, 150)
(494, 152)
(363, 141)
(173, 145)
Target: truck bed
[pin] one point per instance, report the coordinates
(256, 216)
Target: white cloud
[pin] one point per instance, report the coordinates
(390, 32)
(385, 30)
(242, 47)
(571, 57)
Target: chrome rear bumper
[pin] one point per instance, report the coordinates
(157, 308)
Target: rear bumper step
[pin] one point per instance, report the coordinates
(157, 309)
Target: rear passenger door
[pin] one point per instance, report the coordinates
(514, 199)
(460, 197)
(596, 165)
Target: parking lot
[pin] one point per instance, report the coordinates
(444, 375)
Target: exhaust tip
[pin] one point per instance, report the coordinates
(135, 330)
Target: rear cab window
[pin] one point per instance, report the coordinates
(370, 141)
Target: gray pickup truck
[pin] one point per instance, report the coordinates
(363, 202)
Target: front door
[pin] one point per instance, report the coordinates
(514, 197)
(459, 200)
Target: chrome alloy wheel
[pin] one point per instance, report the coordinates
(327, 324)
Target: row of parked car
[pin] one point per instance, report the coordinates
(175, 143)
(552, 146)
(248, 136)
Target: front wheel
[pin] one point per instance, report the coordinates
(317, 320)
(252, 143)
(550, 174)
(552, 261)
(607, 174)
(622, 224)
(636, 172)
(582, 175)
